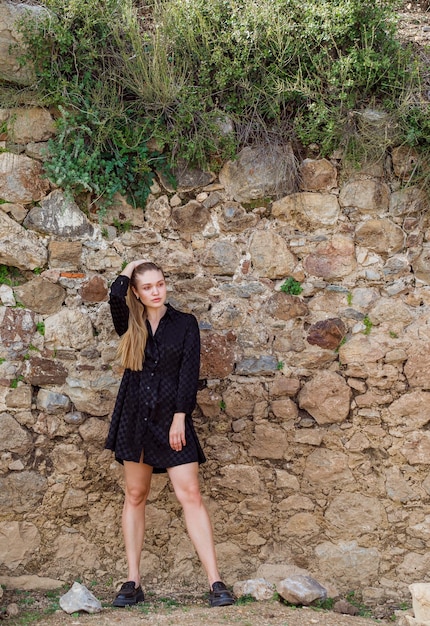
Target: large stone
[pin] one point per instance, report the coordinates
(30, 125)
(361, 349)
(31, 582)
(327, 333)
(14, 438)
(65, 255)
(421, 265)
(234, 218)
(352, 566)
(19, 247)
(68, 329)
(270, 442)
(94, 290)
(326, 397)
(317, 175)
(421, 602)
(11, 46)
(365, 195)
(243, 478)
(416, 448)
(259, 172)
(190, 218)
(41, 296)
(158, 213)
(381, 236)
(411, 411)
(21, 179)
(257, 588)
(22, 491)
(93, 393)
(41, 372)
(264, 262)
(52, 402)
(351, 515)
(405, 161)
(264, 365)
(60, 216)
(79, 598)
(332, 259)
(417, 366)
(220, 257)
(308, 211)
(408, 201)
(327, 468)
(284, 306)
(19, 542)
(17, 327)
(217, 355)
(301, 590)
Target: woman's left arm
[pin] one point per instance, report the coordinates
(189, 369)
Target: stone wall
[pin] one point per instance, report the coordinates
(313, 409)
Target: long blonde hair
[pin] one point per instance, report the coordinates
(131, 348)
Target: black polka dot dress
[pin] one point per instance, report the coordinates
(167, 384)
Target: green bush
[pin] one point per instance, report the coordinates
(179, 72)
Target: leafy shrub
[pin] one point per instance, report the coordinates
(181, 74)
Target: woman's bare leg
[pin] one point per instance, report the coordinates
(187, 489)
(137, 485)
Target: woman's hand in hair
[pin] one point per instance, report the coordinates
(128, 270)
(177, 432)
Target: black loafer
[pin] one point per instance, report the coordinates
(128, 595)
(220, 595)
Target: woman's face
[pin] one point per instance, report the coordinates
(151, 289)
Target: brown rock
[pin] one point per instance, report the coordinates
(333, 259)
(267, 264)
(43, 372)
(308, 210)
(270, 442)
(95, 290)
(190, 218)
(17, 327)
(326, 397)
(41, 295)
(283, 386)
(405, 161)
(235, 219)
(217, 356)
(65, 254)
(382, 236)
(367, 196)
(327, 333)
(284, 306)
(31, 124)
(21, 179)
(317, 175)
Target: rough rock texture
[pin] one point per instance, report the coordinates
(313, 409)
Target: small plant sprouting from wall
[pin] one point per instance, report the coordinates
(368, 325)
(291, 286)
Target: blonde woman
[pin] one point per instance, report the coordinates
(151, 427)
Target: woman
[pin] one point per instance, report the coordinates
(151, 428)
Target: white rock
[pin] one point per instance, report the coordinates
(79, 598)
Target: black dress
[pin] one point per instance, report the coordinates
(167, 384)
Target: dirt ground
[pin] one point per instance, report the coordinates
(175, 609)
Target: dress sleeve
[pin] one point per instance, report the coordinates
(118, 305)
(189, 369)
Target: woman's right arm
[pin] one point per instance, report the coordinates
(118, 291)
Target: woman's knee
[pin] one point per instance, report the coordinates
(189, 495)
(136, 496)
